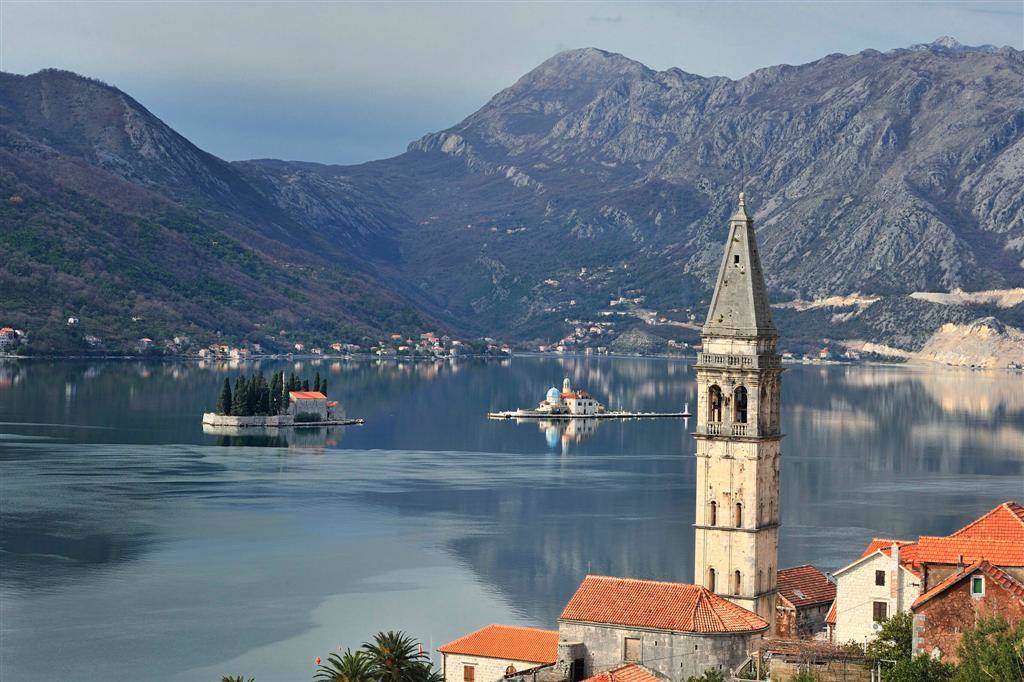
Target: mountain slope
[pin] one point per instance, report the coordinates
(876, 173)
(110, 216)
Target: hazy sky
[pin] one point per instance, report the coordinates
(345, 82)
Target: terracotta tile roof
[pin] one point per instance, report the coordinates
(884, 544)
(1002, 578)
(1005, 522)
(658, 605)
(804, 585)
(908, 552)
(631, 672)
(830, 619)
(953, 550)
(306, 395)
(509, 643)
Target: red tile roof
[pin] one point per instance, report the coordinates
(631, 672)
(908, 552)
(509, 643)
(805, 585)
(830, 619)
(306, 395)
(954, 549)
(1005, 522)
(658, 605)
(1002, 578)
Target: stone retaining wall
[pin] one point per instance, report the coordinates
(214, 419)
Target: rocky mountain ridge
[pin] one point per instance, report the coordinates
(594, 178)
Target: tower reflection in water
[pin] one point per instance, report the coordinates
(564, 431)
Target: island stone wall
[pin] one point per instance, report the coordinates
(214, 419)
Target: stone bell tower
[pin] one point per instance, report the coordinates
(738, 381)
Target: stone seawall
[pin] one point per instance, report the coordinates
(213, 419)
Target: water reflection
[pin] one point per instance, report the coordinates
(127, 527)
(274, 437)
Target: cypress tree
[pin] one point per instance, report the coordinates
(224, 401)
(275, 393)
(238, 399)
(264, 396)
(323, 387)
(305, 384)
(251, 395)
(285, 399)
(316, 382)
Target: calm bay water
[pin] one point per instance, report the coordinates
(135, 546)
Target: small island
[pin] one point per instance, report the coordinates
(279, 403)
(570, 404)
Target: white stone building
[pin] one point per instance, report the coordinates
(882, 582)
(569, 402)
(490, 653)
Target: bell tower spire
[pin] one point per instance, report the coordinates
(738, 383)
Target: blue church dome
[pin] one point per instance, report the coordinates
(554, 395)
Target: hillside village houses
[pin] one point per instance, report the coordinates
(945, 582)
(742, 609)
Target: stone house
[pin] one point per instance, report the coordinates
(997, 537)
(675, 630)
(883, 581)
(307, 402)
(491, 653)
(942, 613)
(804, 599)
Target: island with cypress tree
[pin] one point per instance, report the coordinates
(280, 402)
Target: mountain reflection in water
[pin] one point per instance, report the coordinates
(138, 545)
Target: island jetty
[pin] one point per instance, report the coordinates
(570, 404)
(279, 403)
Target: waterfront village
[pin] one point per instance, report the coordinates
(745, 617)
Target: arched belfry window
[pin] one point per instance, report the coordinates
(736, 583)
(711, 579)
(714, 404)
(740, 405)
(738, 521)
(714, 514)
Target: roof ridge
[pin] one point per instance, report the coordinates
(643, 580)
(1005, 505)
(709, 596)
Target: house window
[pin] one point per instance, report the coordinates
(711, 579)
(739, 515)
(977, 586)
(714, 514)
(736, 260)
(880, 577)
(511, 670)
(631, 650)
(736, 583)
(468, 673)
(880, 611)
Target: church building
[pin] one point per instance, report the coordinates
(738, 383)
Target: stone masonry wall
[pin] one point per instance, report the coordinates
(214, 419)
(675, 655)
(856, 592)
(940, 622)
(486, 669)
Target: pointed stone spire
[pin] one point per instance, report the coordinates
(739, 306)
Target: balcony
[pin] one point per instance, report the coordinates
(739, 429)
(738, 361)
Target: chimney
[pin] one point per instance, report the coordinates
(894, 580)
